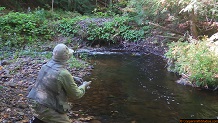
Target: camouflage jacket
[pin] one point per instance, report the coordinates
(55, 86)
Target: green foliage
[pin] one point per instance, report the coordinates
(133, 35)
(110, 30)
(104, 12)
(81, 6)
(92, 30)
(65, 14)
(141, 10)
(159, 10)
(1, 87)
(32, 53)
(56, 15)
(68, 26)
(207, 9)
(195, 60)
(103, 33)
(2, 8)
(76, 63)
(17, 29)
(20, 28)
(117, 7)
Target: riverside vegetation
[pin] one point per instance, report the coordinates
(180, 27)
(187, 21)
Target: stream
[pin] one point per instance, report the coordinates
(137, 88)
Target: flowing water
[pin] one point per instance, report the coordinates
(129, 88)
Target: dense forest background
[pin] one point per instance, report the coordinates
(197, 15)
(85, 6)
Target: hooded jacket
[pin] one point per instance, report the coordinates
(55, 86)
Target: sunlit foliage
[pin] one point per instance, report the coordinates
(195, 60)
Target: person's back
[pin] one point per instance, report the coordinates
(53, 89)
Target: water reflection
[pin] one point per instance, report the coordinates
(139, 89)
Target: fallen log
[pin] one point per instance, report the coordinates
(165, 28)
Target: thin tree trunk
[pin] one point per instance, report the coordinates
(69, 5)
(193, 27)
(105, 3)
(111, 3)
(52, 5)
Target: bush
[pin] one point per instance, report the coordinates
(100, 30)
(195, 60)
(20, 28)
(68, 26)
(116, 29)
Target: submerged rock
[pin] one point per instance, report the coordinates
(4, 62)
(184, 81)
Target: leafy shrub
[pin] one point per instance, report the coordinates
(58, 14)
(110, 30)
(103, 30)
(195, 60)
(133, 35)
(141, 10)
(21, 28)
(1, 9)
(103, 33)
(68, 27)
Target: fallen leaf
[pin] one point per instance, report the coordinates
(20, 94)
(25, 121)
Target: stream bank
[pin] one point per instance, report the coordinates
(17, 75)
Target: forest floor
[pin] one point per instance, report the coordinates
(17, 75)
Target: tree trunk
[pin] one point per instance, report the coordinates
(110, 4)
(69, 5)
(193, 22)
(52, 5)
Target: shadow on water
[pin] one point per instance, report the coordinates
(128, 88)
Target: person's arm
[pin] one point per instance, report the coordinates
(69, 85)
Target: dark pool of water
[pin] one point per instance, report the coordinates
(139, 89)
